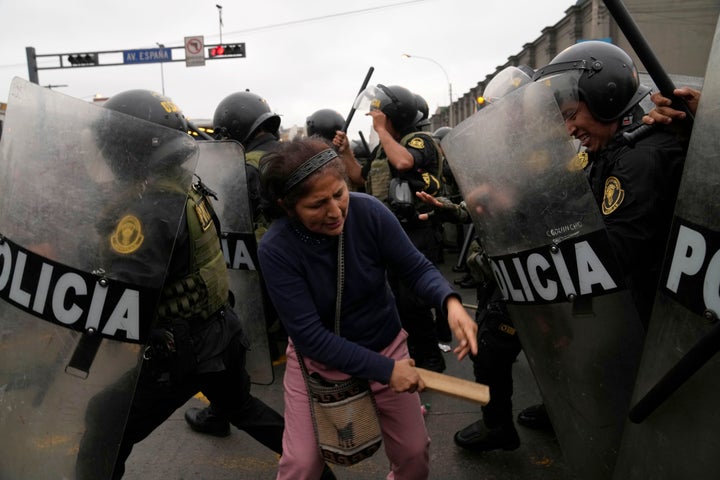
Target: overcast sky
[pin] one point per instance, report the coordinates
(301, 55)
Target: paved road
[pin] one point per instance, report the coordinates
(174, 452)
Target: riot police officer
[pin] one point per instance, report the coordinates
(324, 123)
(247, 118)
(634, 178)
(197, 343)
(406, 160)
(424, 123)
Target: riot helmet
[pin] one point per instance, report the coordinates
(150, 106)
(598, 73)
(507, 80)
(134, 149)
(440, 133)
(324, 123)
(397, 103)
(424, 112)
(240, 115)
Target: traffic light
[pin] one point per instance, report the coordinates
(83, 59)
(228, 50)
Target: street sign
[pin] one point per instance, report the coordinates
(194, 54)
(149, 55)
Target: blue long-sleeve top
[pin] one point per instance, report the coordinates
(300, 270)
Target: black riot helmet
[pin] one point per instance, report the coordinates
(598, 73)
(424, 110)
(135, 149)
(150, 106)
(324, 123)
(440, 133)
(241, 114)
(399, 105)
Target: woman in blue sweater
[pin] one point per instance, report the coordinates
(305, 181)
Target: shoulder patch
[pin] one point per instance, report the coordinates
(128, 235)
(580, 161)
(417, 142)
(202, 211)
(613, 196)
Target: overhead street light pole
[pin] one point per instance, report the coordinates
(219, 7)
(162, 71)
(450, 96)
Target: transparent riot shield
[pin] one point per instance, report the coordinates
(674, 413)
(222, 169)
(70, 326)
(542, 230)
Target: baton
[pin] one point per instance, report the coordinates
(465, 247)
(646, 55)
(454, 386)
(365, 144)
(84, 355)
(352, 110)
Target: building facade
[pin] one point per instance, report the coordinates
(679, 32)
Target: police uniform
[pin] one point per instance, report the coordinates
(498, 348)
(416, 315)
(254, 151)
(635, 186)
(197, 344)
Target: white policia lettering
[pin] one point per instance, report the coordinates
(242, 260)
(536, 272)
(688, 260)
(125, 315)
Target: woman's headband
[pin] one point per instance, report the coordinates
(309, 166)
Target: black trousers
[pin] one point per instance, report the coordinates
(155, 400)
(416, 315)
(498, 349)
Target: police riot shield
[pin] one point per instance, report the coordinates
(537, 219)
(674, 413)
(69, 326)
(222, 169)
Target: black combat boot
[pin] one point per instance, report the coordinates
(536, 417)
(204, 420)
(478, 437)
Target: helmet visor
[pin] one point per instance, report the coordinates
(372, 98)
(506, 81)
(564, 86)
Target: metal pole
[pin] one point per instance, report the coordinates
(219, 7)
(162, 70)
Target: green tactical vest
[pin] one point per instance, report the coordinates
(205, 289)
(261, 223)
(253, 158)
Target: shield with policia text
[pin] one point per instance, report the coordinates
(674, 415)
(69, 324)
(536, 217)
(222, 169)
